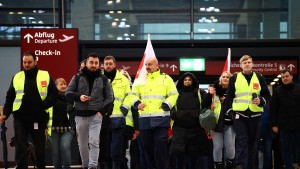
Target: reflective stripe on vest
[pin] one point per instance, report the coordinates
(42, 81)
(50, 121)
(155, 114)
(243, 93)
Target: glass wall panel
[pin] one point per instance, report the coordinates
(164, 20)
(17, 14)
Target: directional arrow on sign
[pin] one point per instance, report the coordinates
(291, 66)
(28, 36)
(173, 67)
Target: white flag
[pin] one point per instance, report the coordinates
(228, 62)
(140, 77)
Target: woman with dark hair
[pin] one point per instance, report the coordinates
(189, 143)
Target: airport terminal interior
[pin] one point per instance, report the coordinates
(182, 33)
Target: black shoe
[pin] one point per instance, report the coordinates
(219, 165)
(229, 164)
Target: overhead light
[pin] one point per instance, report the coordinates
(215, 20)
(111, 11)
(217, 10)
(123, 19)
(116, 19)
(118, 1)
(11, 13)
(119, 38)
(114, 24)
(119, 11)
(1, 4)
(127, 26)
(20, 13)
(41, 11)
(122, 24)
(30, 17)
(109, 2)
(40, 22)
(23, 17)
(107, 16)
(125, 34)
(272, 83)
(33, 22)
(279, 76)
(276, 79)
(132, 34)
(209, 9)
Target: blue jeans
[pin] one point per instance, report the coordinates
(61, 149)
(289, 138)
(226, 138)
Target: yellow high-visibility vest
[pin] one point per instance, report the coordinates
(243, 93)
(217, 110)
(159, 88)
(42, 82)
(121, 89)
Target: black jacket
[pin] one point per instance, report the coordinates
(284, 107)
(60, 113)
(32, 108)
(188, 136)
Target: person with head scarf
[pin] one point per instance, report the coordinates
(189, 142)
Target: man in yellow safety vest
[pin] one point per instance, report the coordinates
(247, 94)
(31, 93)
(154, 100)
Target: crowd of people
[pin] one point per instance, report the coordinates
(158, 120)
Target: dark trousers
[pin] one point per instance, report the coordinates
(155, 145)
(247, 139)
(134, 155)
(192, 162)
(22, 131)
(116, 144)
(277, 148)
(289, 139)
(104, 153)
(267, 151)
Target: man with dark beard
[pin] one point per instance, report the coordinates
(93, 96)
(121, 89)
(31, 93)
